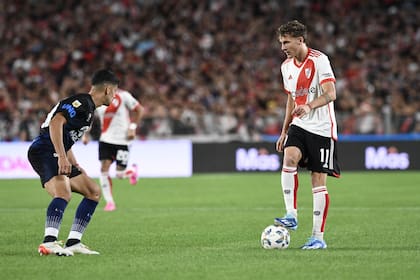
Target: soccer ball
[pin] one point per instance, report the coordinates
(275, 237)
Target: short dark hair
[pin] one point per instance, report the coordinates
(104, 76)
(293, 28)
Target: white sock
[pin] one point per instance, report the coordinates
(75, 235)
(289, 183)
(321, 201)
(50, 231)
(106, 186)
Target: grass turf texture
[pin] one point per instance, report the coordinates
(209, 226)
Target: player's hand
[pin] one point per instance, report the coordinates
(85, 139)
(280, 142)
(64, 166)
(131, 134)
(301, 110)
(80, 168)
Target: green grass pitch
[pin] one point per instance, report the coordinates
(209, 227)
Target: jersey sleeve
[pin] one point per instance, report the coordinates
(76, 111)
(285, 79)
(69, 108)
(325, 71)
(100, 111)
(130, 102)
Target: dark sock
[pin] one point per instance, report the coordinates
(55, 213)
(82, 218)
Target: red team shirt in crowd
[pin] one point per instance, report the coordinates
(115, 118)
(304, 82)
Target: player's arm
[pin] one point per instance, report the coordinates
(287, 120)
(328, 95)
(136, 115)
(56, 134)
(73, 161)
(72, 158)
(86, 137)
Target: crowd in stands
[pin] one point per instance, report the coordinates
(208, 69)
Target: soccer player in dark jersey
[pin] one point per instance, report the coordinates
(51, 157)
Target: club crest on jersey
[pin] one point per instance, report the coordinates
(307, 72)
(76, 103)
(115, 102)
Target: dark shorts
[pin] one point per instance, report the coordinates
(319, 153)
(118, 153)
(46, 164)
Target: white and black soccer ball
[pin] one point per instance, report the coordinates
(275, 237)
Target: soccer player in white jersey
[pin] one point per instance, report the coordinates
(118, 128)
(309, 134)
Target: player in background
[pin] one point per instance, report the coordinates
(118, 128)
(51, 156)
(309, 134)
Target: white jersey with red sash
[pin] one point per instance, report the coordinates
(304, 82)
(115, 118)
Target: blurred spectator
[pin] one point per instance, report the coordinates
(368, 120)
(208, 68)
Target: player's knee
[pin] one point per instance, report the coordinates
(57, 187)
(104, 169)
(290, 161)
(96, 196)
(94, 193)
(292, 156)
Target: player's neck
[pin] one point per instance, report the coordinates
(97, 99)
(302, 54)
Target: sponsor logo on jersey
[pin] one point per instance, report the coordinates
(303, 92)
(77, 134)
(70, 109)
(116, 102)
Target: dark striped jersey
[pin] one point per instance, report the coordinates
(78, 111)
